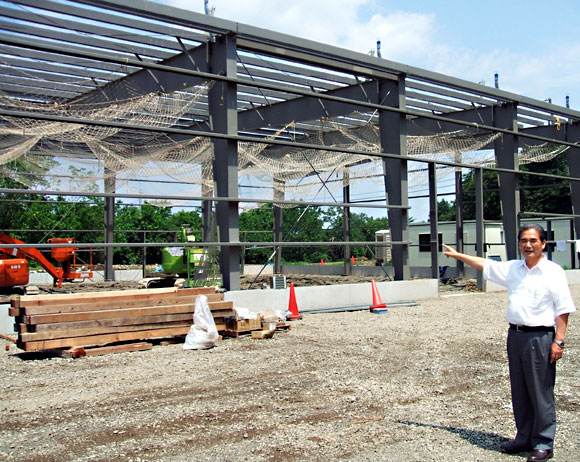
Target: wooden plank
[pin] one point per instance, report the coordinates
(120, 313)
(15, 312)
(103, 339)
(108, 314)
(113, 322)
(89, 297)
(97, 351)
(223, 313)
(56, 299)
(69, 333)
(263, 333)
(108, 303)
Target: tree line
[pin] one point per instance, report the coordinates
(537, 194)
(46, 216)
(35, 218)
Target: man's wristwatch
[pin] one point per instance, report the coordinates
(560, 343)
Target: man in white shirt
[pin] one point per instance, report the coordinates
(539, 302)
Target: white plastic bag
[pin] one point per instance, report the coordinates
(203, 333)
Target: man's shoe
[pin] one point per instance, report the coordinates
(511, 447)
(539, 455)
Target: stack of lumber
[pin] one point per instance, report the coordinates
(46, 322)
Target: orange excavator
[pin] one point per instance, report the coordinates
(14, 262)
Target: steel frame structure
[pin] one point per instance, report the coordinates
(262, 80)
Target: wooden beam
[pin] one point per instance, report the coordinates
(120, 313)
(127, 347)
(70, 333)
(115, 304)
(104, 339)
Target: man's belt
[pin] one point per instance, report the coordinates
(531, 328)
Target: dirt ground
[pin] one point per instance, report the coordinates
(419, 383)
(256, 282)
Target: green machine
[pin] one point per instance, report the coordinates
(182, 260)
(195, 266)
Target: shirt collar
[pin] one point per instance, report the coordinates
(540, 265)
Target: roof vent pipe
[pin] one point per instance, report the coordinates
(567, 102)
(496, 76)
(379, 48)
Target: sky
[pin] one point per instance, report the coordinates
(532, 45)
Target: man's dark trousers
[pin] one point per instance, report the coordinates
(532, 379)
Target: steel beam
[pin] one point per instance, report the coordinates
(479, 223)
(506, 156)
(110, 188)
(346, 222)
(459, 215)
(307, 108)
(393, 133)
(433, 219)
(279, 194)
(224, 119)
(480, 115)
(149, 80)
(572, 134)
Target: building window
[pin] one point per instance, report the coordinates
(425, 242)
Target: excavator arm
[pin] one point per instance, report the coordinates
(32, 254)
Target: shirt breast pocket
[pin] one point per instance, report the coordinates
(540, 293)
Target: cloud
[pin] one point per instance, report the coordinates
(343, 23)
(416, 39)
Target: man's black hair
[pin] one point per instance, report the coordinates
(541, 231)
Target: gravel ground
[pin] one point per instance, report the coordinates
(420, 383)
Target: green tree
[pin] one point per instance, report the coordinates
(302, 224)
(257, 225)
(23, 173)
(445, 210)
(131, 226)
(537, 194)
(362, 228)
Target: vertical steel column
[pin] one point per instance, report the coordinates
(346, 222)
(572, 246)
(278, 219)
(459, 215)
(224, 119)
(433, 221)
(479, 223)
(110, 188)
(393, 132)
(549, 233)
(573, 161)
(506, 156)
(207, 233)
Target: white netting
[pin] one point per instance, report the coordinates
(300, 173)
(540, 153)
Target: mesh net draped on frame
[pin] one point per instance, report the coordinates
(128, 153)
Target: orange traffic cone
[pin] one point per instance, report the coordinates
(321, 262)
(378, 306)
(352, 259)
(292, 307)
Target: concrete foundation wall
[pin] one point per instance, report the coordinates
(98, 276)
(346, 295)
